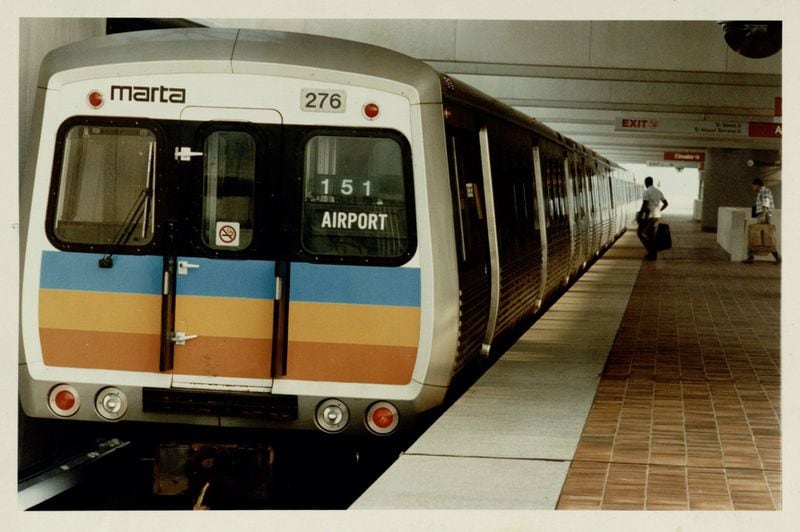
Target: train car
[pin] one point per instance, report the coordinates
(243, 228)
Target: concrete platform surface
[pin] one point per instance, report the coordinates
(508, 441)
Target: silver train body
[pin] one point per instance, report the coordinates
(256, 229)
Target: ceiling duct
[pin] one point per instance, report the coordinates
(753, 39)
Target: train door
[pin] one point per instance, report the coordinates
(541, 210)
(472, 244)
(581, 211)
(223, 309)
(572, 214)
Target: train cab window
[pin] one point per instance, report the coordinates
(354, 200)
(228, 190)
(106, 186)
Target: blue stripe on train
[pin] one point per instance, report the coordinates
(143, 274)
(249, 279)
(133, 274)
(363, 285)
(136, 274)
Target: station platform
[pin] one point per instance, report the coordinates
(649, 385)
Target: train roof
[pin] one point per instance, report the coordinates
(234, 50)
(239, 50)
(466, 94)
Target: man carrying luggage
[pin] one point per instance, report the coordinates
(763, 208)
(653, 202)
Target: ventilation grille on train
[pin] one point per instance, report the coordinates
(275, 407)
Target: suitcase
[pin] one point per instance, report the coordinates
(762, 239)
(663, 237)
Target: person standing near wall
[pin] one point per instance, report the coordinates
(653, 202)
(762, 211)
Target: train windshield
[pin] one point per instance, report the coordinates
(354, 197)
(106, 187)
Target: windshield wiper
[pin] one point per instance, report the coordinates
(135, 215)
(125, 230)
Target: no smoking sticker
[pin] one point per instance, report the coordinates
(228, 234)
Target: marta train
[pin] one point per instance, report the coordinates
(245, 228)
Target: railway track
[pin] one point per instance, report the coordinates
(308, 472)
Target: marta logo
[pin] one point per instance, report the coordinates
(160, 94)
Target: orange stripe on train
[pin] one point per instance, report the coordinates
(223, 316)
(375, 364)
(354, 324)
(208, 356)
(213, 356)
(100, 350)
(99, 311)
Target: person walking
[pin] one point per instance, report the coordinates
(653, 202)
(762, 210)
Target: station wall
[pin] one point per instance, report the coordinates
(727, 180)
(37, 37)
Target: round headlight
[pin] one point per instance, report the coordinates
(111, 403)
(332, 415)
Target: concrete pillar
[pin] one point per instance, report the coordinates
(727, 178)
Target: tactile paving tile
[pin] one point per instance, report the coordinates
(687, 413)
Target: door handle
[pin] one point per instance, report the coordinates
(181, 337)
(184, 266)
(185, 153)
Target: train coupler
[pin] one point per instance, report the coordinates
(214, 475)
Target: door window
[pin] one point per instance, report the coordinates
(466, 176)
(228, 190)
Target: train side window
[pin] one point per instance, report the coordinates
(228, 189)
(106, 190)
(354, 197)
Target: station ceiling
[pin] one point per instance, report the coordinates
(635, 91)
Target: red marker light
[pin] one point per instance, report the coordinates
(95, 99)
(64, 400)
(371, 111)
(382, 417)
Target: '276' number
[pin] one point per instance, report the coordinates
(328, 101)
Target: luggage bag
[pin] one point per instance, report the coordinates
(762, 239)
(663, 237)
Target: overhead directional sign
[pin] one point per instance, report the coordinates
(698, 127)
(676, 164)
(765, 129)
(686, 156)
(681, 159)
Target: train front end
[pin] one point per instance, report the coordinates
(233, 228)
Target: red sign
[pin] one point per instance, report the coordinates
(633, 123)
(691, 156)
(765, 129)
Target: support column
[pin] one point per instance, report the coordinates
(727, 178)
